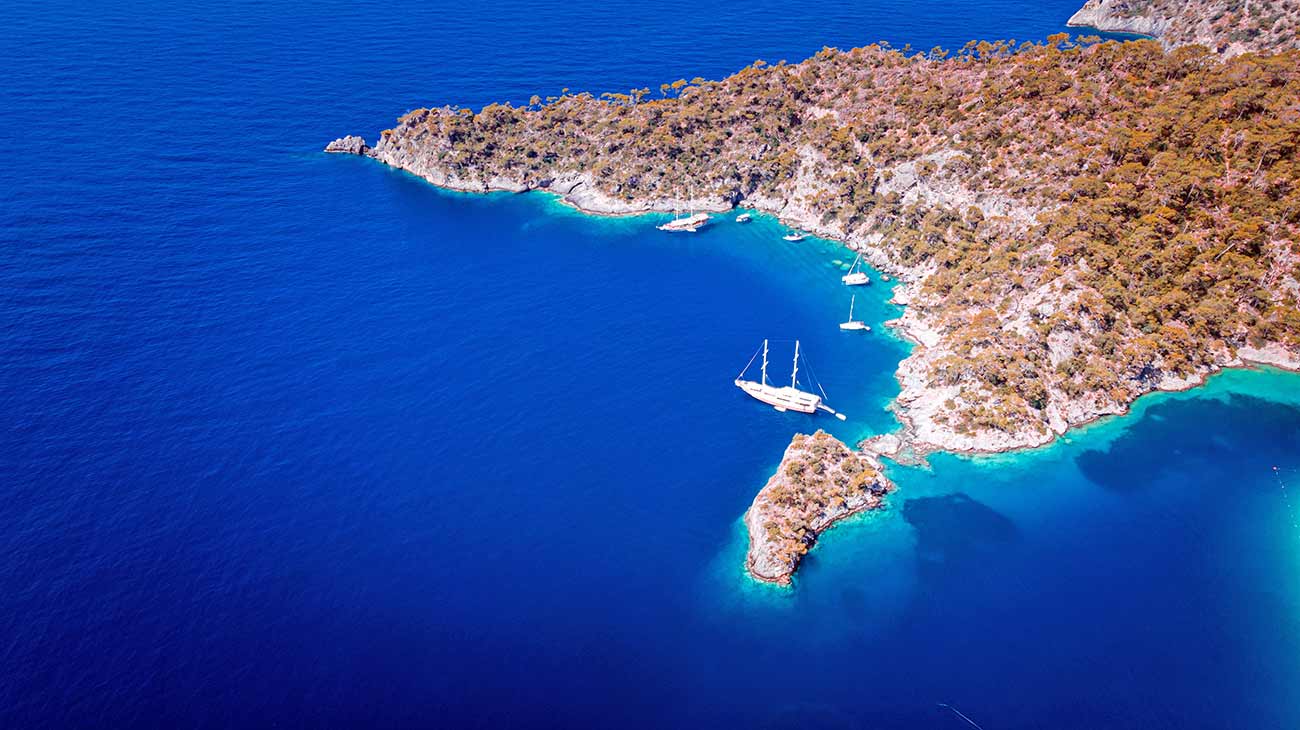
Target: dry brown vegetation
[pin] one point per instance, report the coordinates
(820, 481)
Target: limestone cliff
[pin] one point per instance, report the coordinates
(819, 482)
(1229, 27)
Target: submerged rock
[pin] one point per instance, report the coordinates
(820, 481)
(349, 145)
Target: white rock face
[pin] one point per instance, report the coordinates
(1271, 354)
(349, 145)
(1119, 16)
(1227, 27)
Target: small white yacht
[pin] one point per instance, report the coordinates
(744, 218)
(855, 277)
(854, 325)
(795, 236)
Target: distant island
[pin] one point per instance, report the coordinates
(1075, 223)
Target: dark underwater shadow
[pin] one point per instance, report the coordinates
(1209, 437)
(953, 530)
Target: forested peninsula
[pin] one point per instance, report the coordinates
(1077, 223)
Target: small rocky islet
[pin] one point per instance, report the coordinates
(819, 482)
(1074, 223)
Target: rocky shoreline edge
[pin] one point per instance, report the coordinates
(1108, 17)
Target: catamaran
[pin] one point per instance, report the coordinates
(785, 398)
(854, 277)
(854, 325)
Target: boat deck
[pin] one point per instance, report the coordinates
(785, 398)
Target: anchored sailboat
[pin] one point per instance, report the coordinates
(854, 325)
(785, 398)
(855, 277)
(690, 223)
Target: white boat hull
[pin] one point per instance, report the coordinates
(854, 327)
(690, 224)
(782, 399)
(855, 279)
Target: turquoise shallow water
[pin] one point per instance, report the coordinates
(296, 440)
(1149, 559)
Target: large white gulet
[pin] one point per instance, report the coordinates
(688, 224)
(784, 398)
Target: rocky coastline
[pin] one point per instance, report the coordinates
(1051, 271)
(1228, 27)
(1117, 16)
(819, 482)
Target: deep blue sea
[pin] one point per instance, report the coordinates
(294, 440)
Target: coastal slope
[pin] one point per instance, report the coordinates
(819, 482)
(1075, 224)
(1229, 27)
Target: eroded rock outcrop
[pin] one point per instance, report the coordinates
(349, 145)
(820, 481)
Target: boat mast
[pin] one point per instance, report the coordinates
(855, 296)
(764, 362)
(795, 374)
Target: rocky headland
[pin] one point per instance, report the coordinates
(1229, 27)
(1074, 224)
(819, 482)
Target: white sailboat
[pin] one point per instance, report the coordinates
(854, 325)
(785, 398)
(855, 277)
(689, 224)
